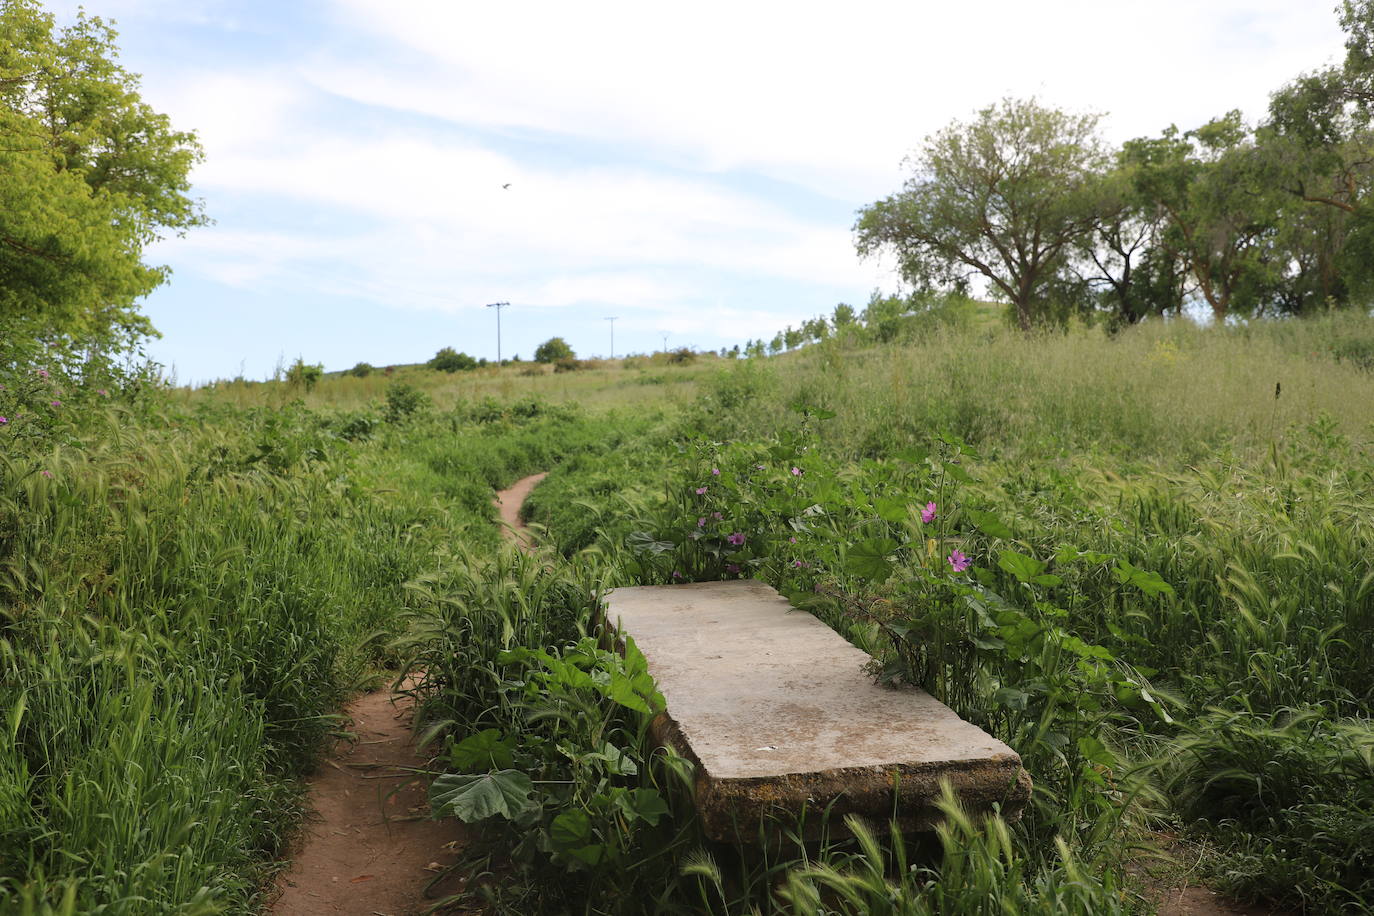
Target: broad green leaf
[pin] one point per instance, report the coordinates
(641, 804)
(642, 542)
(1095, 751)
(1011, 698)
(989, 524)
(571, 834)
(505, 793)
(1019, 565)
(956, 471)
(891, 509)
(913, 455)
(868, 558)
(486, 750)
(1151, 583)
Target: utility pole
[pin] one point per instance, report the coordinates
(665, 343)
(498, 306)
(612, 321)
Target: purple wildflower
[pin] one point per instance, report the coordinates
(717, 516)
(102, 392)
(796, 472)
(676, 574)
(731, 568)
(958, 561)
(737, 538)
(42, 373)
(928, 513)
(47, 474)
(701, 522)
(3, 420)
(701, 491)
(760, 467)
(57, 403)
(715, 472)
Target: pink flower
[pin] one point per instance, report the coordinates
(3, 420)
(792, 540)
(737, 538)
(796, 472)
(102, 392)
(47, 474)
(701, 491)
(928, 513)
(958, 561)
(715, 472)
(760, 467)
(42, 373)
(57, 403)
(799, 563)
(717, 516)
(701, 522)
(732, 568)
(676, 574)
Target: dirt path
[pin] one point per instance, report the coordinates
(508, 503)
(370, 848)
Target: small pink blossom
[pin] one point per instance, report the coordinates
(799, 564)
(796, 472)
(928, 513)
(42, 373)
(715, 472)
(792, 540)
(731, 568)
(717, 516)
(3, 420)
(701, 522)
(102, 392)
(676, 574)
(958, 561)
(57, 403)
(760, 467)
(737, 538)
(701, 491)
(47, 474)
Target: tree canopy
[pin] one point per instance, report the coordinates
(552, 350)
(89, 176)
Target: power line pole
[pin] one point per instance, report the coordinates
(612, 321)
(498, 306)
(665, 343)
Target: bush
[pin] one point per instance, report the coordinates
(553, 350)
(403, 401)
(362, 370)
(302, 373)
(450, 360)
(568, 364)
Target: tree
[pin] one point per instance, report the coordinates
(1001, 196)
(1222, 213)
(553, 350)
(450, 360)
(89, 176)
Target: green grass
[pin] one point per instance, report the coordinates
(200, 578)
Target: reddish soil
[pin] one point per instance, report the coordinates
(508, 503)
(370, 847)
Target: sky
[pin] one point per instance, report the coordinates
(378, 172)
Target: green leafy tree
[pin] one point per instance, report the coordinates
(1222, 213)
(843, 316)
(553, 350)
(450, 360)
(1005, 196)
(92, 175)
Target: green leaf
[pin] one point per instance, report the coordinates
(618, 760)
(642, 542)
(989, 524)
(1019, 565)
(891, 509)
(913, 455)
(1151, 583)
(505, 793)
(571, 834)
(868, 558)
(956, 471)
(486, 750)
(642, 805)
(1046, 579)
(1011, 698)
(1095, 751)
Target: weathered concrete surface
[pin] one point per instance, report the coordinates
(775, 709)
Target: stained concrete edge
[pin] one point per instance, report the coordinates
(909, 792)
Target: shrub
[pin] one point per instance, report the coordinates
(450, 360)
(553, 350)
(568, 364)
(403, 401)
(361, 370)
(303, 373)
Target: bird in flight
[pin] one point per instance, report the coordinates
(504, 186)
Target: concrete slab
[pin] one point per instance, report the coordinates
(776, 710)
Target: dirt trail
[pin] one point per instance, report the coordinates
(370, 848)
(508, 503)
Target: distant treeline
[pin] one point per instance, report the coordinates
(1228, 218)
